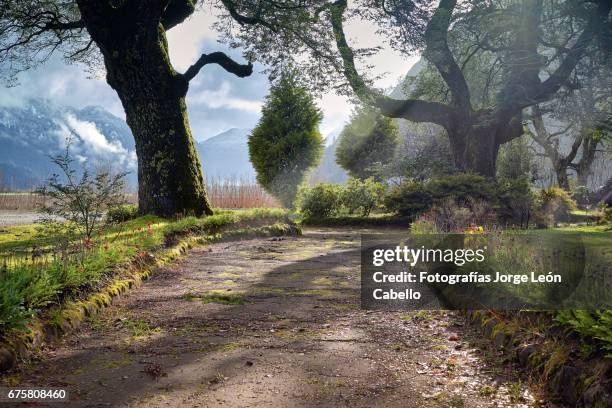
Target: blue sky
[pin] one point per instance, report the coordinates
(217, 101)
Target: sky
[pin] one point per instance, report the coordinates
(217, 101)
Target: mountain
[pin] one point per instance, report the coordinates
(37, 129)
(227, 155)
(328, 171)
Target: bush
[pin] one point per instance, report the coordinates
(516, 201)
(363, 195)
(607, 215)
(463, 186)
(74, 205)
(414, 198)
(553, 205)
(320, 201)
(515, 159)
(409, 199)
(122, 213)
(580, 194)
(449, 216)
(424, 225)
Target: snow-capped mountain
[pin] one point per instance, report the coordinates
(36, 129)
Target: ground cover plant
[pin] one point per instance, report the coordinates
(30, 284)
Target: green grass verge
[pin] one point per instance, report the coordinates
(28, 288)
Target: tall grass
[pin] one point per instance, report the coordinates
(229, 193)
(20, 201)
(238, 192)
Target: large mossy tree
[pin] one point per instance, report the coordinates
(534, 45)
(286, 143)
(130, 35)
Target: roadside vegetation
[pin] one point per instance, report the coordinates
(35, 274)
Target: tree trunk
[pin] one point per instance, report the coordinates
(170, 179)
(475, 149)
(589, 147)
(153, 96)
(561, 173)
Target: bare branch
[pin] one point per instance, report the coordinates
(414, 110)
(250, 20)
(222, 59)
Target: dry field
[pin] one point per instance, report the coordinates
(228, 193)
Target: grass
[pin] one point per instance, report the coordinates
(585, 229)
(28, 288)
(217, 296)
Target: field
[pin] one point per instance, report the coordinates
(233, 193)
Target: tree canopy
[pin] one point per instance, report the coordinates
(367, 143)
(530, 47)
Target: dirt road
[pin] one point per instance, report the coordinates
(269, 323)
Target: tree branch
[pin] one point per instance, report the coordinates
(528, 94)
(438, 53)
(222, 59)
(414, 110)
(176, 12)
(250, 20)
(562, 73)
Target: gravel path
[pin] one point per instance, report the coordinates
(269, 323)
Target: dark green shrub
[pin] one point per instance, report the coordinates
(122, 213)
(362, 195)
(409, 199)
(553, 205)
(515, 159)
(415, 198)
(516, 201)
(462, 186)
(580, 194)
(320, 201)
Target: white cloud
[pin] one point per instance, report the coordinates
(222, 98)
(185, 40)
(93, 144)
(91, 136)
(336, 111)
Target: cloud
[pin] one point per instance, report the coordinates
(185, 40)
(92, 142)
(63, 85)
(222, 98)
